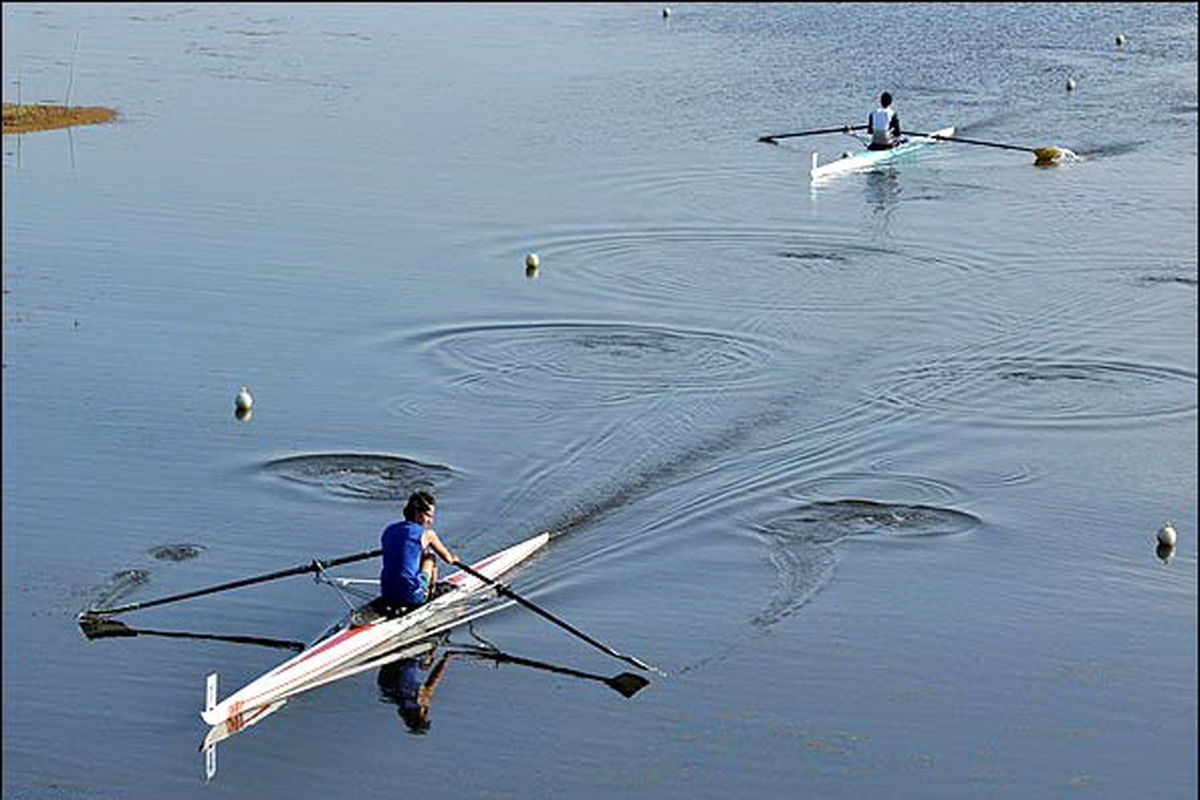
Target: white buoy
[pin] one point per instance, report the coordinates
(666, 13)
(1167, 535)
(1121, 40)
(532, 261)
(244, 401)
(1071, 84)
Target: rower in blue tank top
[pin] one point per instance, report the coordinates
(884, 125)
(409, 550)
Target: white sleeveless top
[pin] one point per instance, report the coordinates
(881, 120)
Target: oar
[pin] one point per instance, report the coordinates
(102, 628)
(843, 129)
(312, 566)
(626, 683)
(1042, 155)
(507, 592)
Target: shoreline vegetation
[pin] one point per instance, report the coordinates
(26, 118)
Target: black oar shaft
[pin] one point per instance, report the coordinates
(844, 128)
(507, 592)
(312, 566)
(626, 683)
(974, 141)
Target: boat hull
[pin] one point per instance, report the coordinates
(869, 159)
(366, 635)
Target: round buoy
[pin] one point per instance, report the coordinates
(1071, 84)
(666, 13)
(532, 261)
(243, 401)
(531, 272)
(1167, 535)
(1121, 40)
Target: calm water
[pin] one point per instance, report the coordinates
(872, 469)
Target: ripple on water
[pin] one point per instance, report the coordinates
(594, 363)
(119, 585)
(1040, 391)
(748, 269)
(351, 476)
(801, 542)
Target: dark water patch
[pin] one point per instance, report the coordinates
(831, 521)
(350, 476)
(1181, 280)
(175, 552)
(593, 362)
(810, 255)
(1014, 390)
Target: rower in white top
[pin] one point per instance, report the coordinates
(884, 125)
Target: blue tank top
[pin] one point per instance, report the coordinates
(400, 578)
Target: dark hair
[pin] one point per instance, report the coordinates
(885, 99)
(419, 502)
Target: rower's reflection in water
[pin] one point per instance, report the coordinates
(404, 683)
(883, 190)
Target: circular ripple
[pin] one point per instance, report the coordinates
(832, 521)
(752, 269)
(604, 362)
(878, 485)
(359, 476)
(1042, 391)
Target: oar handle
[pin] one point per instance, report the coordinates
(313, 566)
(507, 592)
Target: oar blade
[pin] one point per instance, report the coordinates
(95, 627)
(1051, 156)
(627, 683)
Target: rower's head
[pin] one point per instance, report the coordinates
(420, 507)
(885, 99)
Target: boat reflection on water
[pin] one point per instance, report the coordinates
(882, 188)
(408, 676)
(404, 683)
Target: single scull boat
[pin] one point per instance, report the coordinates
(367, 634)
(866, 159)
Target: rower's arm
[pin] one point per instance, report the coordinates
(436, 544)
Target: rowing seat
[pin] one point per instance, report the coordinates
(379, 609)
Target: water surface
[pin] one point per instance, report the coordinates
(872, 469)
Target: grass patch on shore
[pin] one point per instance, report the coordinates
(21, 118)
